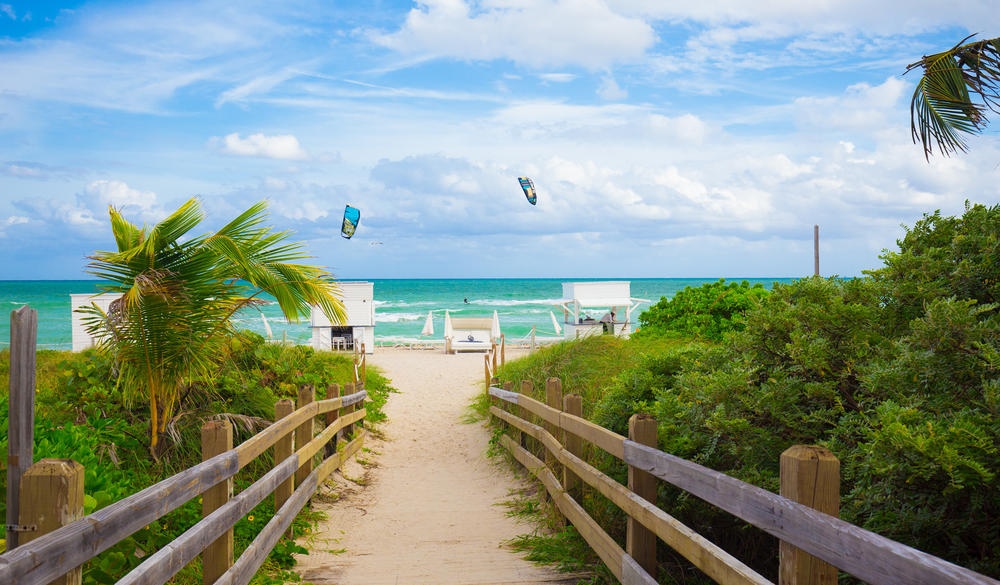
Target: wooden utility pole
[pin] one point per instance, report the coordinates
(816, 248)
(21, 423)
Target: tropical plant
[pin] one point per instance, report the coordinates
(952, 97)
(709, 311)
(179, 292)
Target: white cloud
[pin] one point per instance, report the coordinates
(610, 90)
(8, 11)
(543, 33)
(119, 195)
(283, 147)
(557, 77)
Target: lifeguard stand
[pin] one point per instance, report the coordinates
(357, 330)
(597, 308)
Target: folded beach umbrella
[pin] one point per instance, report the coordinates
(267, 326)
(428, 324)
(495, 327)
(448, 331)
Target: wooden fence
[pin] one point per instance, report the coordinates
(814, 544)
(42, 558)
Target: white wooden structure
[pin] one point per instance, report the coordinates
(81, 339)
(359, 302)
(598, 307)
(470, 333)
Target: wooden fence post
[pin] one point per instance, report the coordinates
(526, 389)
(573, 404)
(332, 391)
(640, 542)
(217, 558)
(304, 433)
(486, 369)
(283, 449)
(810, 475)
(21, 411)
(554, 399)
(347, 431)
(53, 497)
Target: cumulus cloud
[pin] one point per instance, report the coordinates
(282, 147)
(611, 91)
(119, 195)
(584, 33)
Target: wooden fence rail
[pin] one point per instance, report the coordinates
(868, 556)
(48, 557)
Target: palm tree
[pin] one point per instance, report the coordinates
(178, 295)
(957, 89)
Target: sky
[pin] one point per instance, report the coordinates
(664, 138)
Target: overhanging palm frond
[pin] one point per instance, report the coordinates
(953, 96)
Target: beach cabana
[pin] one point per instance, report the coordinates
(597, 308)
(470, 333)
(357, 330)
(81, 339)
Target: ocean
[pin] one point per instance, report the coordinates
(401, 306)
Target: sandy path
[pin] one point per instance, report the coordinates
(429, 513)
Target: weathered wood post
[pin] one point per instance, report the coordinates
(217, 558)
(487, 373)
(503, 349)
(554, 399)
(332, 391)
(21, 412)
(283, 449)
(526, 389)
(349, 429)
(640, 542)
(52, 497)
(810, 475)
(573, 404)
(304, 433)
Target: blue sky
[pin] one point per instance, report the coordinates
(665, 139)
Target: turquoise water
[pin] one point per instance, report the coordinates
(401, 306)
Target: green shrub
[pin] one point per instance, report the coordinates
(709, 311)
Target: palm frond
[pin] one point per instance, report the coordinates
(956, 90)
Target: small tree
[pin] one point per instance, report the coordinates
(179, 294)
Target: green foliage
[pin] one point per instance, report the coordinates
(897, 372)
(582, 365)
(944, 257)
(709, 311)
(172, 320)
(81, 415)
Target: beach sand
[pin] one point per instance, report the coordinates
(423, 506)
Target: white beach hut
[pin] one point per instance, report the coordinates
(357, 330)
(81, 339)
(598, 307)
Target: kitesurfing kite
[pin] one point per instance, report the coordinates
(529, 189)
(351, 218)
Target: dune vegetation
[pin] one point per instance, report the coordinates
(82, 414)
(896, 372)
